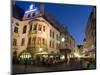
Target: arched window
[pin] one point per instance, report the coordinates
(16, 29)
(52, 44)
(50, 33)
(40, 27)
(35, 27)
(53, 34)
(14, 42)
(29, 15)
(24, 29)
(44, 28)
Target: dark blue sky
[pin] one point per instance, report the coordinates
(74, 17)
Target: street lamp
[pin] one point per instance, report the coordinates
(62, 57)
(40, 49)
(51, 56)
(63, 39)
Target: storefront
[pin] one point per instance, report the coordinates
(25, 56)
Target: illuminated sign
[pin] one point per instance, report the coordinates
(32, 8)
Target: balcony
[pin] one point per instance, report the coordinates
(33, 32)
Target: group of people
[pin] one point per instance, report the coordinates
(85, 63)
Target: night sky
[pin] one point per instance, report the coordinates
(74, 17)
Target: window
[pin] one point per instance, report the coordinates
(44, 28)
(29, 15)
(23, 42)
(57, 46)
(53, 44)
(40, 27)
(29, 41)
(38, 40)
(53, 34)
(50, 44)
(16, 30)
(35, 27)
(24, 29)
(17, 23)
(43, 41)
(14, 42)
(33, 14)
(50, 33)
(57, 37)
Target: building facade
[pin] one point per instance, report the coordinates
(67, 44)
(19, 35)
(89, 44)
(67, 41)
(90, 33)
(38, 33)
(43, 37)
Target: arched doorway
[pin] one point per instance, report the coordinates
(24, 57)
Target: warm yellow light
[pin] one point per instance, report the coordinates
(77, 55)
(40, 49)
(62, 57)
(45, 56)
(63, 39)
(51, 56)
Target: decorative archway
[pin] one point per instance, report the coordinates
(25, 55)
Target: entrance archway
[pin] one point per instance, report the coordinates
(25, 56)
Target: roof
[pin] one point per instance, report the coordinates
(17, 12)
(53, 22)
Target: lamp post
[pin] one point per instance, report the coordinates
(63, 39)
(64, 47)
(40, 49)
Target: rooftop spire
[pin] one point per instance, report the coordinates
(31, 6)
